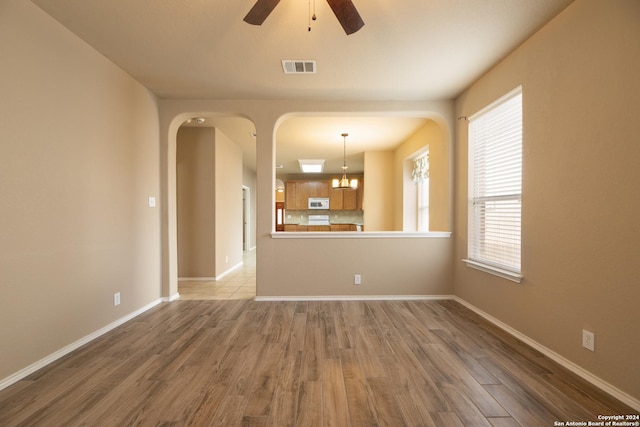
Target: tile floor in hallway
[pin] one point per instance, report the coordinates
(238, 284)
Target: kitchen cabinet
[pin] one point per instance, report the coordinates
(344, 200)
(343, 227)
(318, 228)
(302, 195)
(297, 193)
(300, 227)
(307, 189)
(347, 199)
(290, 193)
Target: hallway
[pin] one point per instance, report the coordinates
(238, 285)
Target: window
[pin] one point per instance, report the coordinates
(495, 187)
(420, 175)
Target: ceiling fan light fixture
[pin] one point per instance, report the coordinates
(344, 10)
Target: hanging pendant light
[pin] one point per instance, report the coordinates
(344, 182)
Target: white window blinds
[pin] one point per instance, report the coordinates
(496, 185)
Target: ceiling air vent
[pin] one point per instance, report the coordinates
(298, 66)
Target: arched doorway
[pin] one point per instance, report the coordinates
(215, 172)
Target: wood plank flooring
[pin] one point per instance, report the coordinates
(355, 363)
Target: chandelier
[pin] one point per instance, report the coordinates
(344, 182)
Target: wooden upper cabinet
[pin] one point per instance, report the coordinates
(317, 188)
(343, 200)
(335, 200)
(290, 198)
(349, 199)
(297, 194)
(302, 196)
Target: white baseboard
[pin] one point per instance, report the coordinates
(355, 298)
(171, 298)
(229, 270)
(581, 372)
(576, 369)
(210, 279)
(11, 379)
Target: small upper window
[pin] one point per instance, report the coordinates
(495, 187)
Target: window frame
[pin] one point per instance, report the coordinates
(478, 256)
(422, 193)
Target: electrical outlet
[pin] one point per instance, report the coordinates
(588, 340)
(116, 298)
(357, 279)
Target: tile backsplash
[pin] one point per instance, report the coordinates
(335, 217)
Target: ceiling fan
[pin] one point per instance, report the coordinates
(344, 10)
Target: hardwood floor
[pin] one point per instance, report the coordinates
(355, 363)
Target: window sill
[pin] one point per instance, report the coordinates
(505, 274)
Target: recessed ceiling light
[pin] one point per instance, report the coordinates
(198, 120)
(311, 165)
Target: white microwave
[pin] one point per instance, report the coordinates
(318, 203)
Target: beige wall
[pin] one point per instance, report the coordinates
(436, 137)
(326, 267)
(581, 232)
(440, 172)
(228, 216)
(209, 203)
(249, 180)
(196, 154)
(78, 161)
(378, 191)
(283, 265)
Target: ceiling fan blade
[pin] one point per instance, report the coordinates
(260, 11)
(347, 15)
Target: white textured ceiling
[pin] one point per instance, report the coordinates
(407, 50)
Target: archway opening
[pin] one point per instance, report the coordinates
(215, 219)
